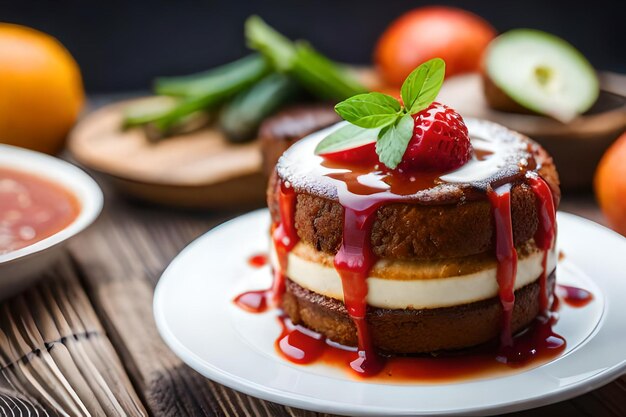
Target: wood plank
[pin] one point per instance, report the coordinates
(55, 357)
(120, 261)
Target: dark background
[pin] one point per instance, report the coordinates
(122, 45)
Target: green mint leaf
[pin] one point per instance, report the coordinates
(422, 85)
(394, 140)
(349, 136)
(369, 110)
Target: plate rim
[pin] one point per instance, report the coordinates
(306, 402)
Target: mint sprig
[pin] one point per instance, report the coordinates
(369, 110)
(393, 141)
(380, 117)
(422, 85)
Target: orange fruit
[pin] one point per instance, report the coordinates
(610, 185)
(455, 35)
(41, 92)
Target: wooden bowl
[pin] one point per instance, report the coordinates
(200, 169)
(576, 147)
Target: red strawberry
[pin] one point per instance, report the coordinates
(364, 154)
(440, 141)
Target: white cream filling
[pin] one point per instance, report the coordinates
(417, 293)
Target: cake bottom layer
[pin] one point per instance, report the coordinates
(413, 330)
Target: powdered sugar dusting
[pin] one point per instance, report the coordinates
(508, 155)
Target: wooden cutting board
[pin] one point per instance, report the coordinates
(200, 169)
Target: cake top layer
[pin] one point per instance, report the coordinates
(500, 156)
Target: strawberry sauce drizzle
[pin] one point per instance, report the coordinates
(299, 344)
(353, 263)
(506, 255)
(253, 301)
(574, 296)
(539, 340)
(285, 237)
(258, 260)
(546, 231)
(535, 345)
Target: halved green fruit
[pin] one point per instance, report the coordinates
(541, 72)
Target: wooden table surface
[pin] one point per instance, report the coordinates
(84, 342)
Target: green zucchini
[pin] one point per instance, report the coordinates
(241, 117)
(201, 91)
(220, 81)
(321, 76)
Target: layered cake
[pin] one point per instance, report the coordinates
(446, 244)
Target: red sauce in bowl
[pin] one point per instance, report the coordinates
(32, 208)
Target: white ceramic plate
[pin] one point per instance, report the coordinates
(20, 268)
(197, 319)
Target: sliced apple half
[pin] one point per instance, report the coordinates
(541, 72)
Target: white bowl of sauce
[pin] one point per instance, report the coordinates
(44, 201)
